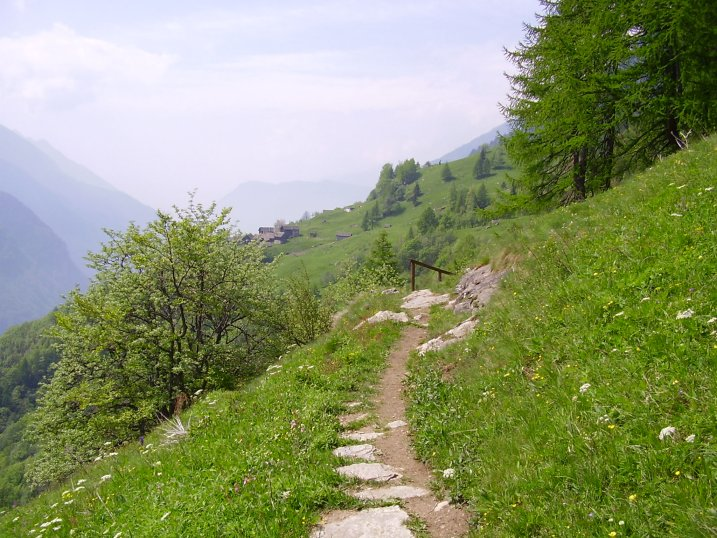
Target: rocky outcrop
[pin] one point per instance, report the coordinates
(475, 289)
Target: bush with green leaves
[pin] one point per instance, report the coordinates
(174, 308)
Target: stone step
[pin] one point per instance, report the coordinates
(364, 452)
(386, 522)
(361, 436)
(345, 420)
(391, 492)
(396, 424)
(374, 472)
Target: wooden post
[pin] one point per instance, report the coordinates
(413, 275)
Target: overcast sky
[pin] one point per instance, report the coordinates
(162, 96)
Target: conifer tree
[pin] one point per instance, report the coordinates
(446, 174)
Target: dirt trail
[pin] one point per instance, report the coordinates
(390, 469)
(396, 447)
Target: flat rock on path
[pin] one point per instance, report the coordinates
(391, 492)
(423, 299)
(386, 522)
(361, 436)
(371, 472)
(385, 315)
(362, 452)
(345, 420)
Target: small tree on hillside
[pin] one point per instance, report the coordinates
(381, 264)
(483, 199)
(427, 221)
(415, 194)
(481, 169)
(446, 174)
(175, 307)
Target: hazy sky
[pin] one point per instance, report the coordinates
(162, 96)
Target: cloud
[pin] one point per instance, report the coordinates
(60, 67)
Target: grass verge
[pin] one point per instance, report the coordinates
(256, 462)
(584, 404)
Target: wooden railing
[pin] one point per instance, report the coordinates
(440, 272)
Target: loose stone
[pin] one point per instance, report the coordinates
(386, 522)
(396, 424)
(364, 452)
(361, 436)
(393, 492)
(375, 472)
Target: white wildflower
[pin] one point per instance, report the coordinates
(690, 438)
(56, 528)
(584, 388)
(621, 522)
(675, 214)
(644, 299)
(709, 188)
(117, 535)
(53, 505)
(98, 458)
(621, 313)
(16, 518)
(81, 481)
(69, 502)
(449, 473)
(681, 186)
(198, 392)
(165, 516)
(111, 454)
(603, 419)
(685, 314)
(666, 432)
(105, 477)
(107, 443)
(148, 446)
(711, 320)
(79, 488)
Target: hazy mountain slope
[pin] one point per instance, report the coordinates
(71, 168)
(466, 149)
(35, 267)
(75, 210)
(259, 204)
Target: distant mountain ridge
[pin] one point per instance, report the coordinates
(35, 267)
(466, 149)
(257, 204)
(70, 199)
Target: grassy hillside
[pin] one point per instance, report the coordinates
(321, 253)
(600, 341)
(256, 462)
(584, 405)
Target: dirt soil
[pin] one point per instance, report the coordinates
(451, 521)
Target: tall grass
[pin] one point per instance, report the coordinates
(555, 412)
(255, 462)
